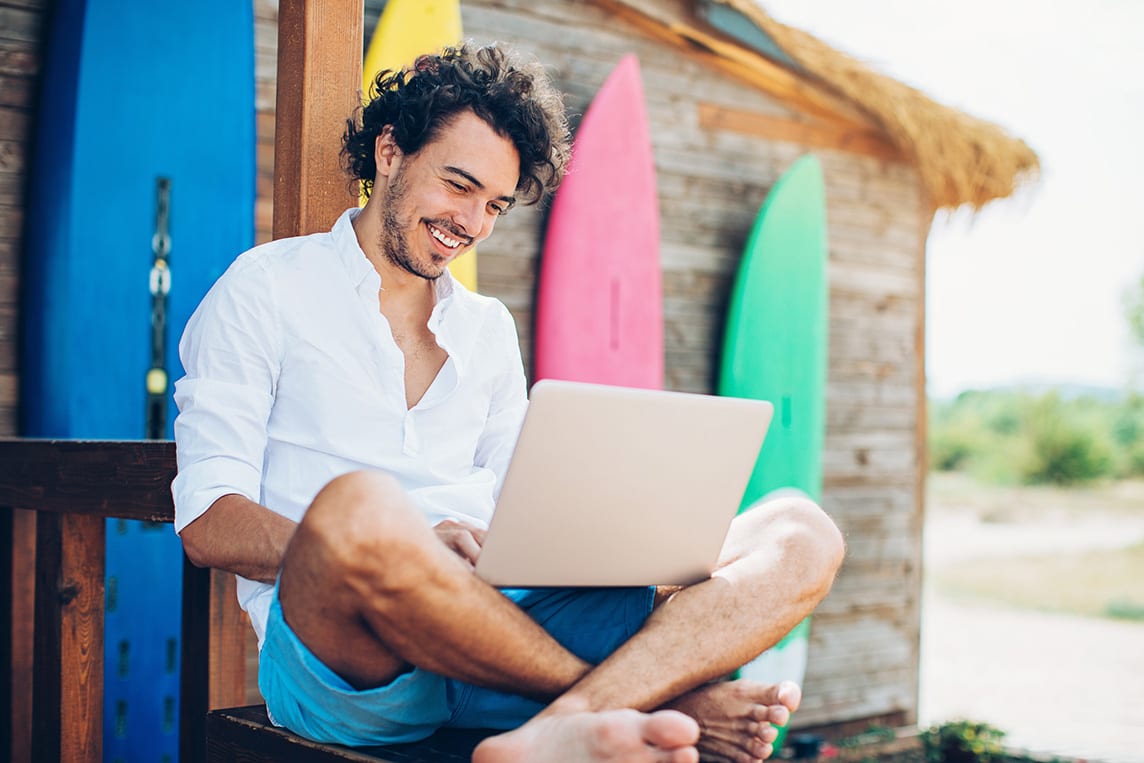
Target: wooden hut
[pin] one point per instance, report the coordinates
(727, 119)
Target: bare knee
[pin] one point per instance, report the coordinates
(802, 532)
(365, 529)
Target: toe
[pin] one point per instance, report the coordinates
(790, 695)
(684, 755)
(751, 726)
(669, 729)
(761, 750)
(779, 715)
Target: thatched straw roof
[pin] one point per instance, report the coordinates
(961, 159)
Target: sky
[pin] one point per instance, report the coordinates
(1030, 290)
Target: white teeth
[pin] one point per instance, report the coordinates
(438, 234)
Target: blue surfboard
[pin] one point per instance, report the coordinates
(134, 94)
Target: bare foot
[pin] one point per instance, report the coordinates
(738, 720)
(613, 736)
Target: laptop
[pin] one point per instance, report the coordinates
(610, 486)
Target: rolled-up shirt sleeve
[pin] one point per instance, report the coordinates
(231, 353)
(507, 408)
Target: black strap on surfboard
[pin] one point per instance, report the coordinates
(157, 382)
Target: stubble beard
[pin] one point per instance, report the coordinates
(394, 239)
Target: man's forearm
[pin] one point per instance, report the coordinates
(240, 536)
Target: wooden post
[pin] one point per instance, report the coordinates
(20, 568)
(921, 467)
(67, 701)
(213, 644)
(7, 663)
(228, 631)
(319, 78)
(194, 663)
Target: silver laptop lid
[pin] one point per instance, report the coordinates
(610, 486)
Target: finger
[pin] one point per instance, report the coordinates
(468, 562)
(477, 532)
(446, 533)
(467, 547)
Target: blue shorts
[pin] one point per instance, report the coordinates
(311, 700)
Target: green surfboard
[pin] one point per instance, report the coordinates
(775, 348)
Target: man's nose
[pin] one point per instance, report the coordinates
(473, 218)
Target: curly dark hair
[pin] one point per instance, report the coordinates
(512, 96)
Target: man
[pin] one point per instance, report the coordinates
(346, 419)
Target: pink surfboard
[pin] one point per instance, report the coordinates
(599, 310)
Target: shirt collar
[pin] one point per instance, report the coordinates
(446, 287)
(358, 267)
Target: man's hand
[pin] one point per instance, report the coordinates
(464, 539)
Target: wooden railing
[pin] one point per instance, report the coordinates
(54, 499)
(69, 489)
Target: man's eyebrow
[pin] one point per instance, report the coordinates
(477, 183)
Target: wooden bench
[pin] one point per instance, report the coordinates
(55, 497)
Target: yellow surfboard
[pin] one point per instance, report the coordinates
(406, 30)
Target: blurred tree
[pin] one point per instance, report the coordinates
(1134, 312)
(1134, 309)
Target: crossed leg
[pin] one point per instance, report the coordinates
(370, 590)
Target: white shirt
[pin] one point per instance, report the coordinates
(293, 378)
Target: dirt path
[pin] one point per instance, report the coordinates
(954, 538)
(1056, 683)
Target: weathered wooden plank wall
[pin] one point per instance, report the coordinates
(21, 29)
(865, 640)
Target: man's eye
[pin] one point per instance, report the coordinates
(455, 186)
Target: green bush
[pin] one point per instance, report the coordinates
(1017, 438)
(1064, 449)
(1130, 461)
(1006, 462)
(1128, 422)
(1127, 434)
(1124, 609)
(953, 445)
(962, 742)
(1002, 413)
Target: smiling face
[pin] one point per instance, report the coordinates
(446, 198)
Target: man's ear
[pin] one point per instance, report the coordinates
(385, 150)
